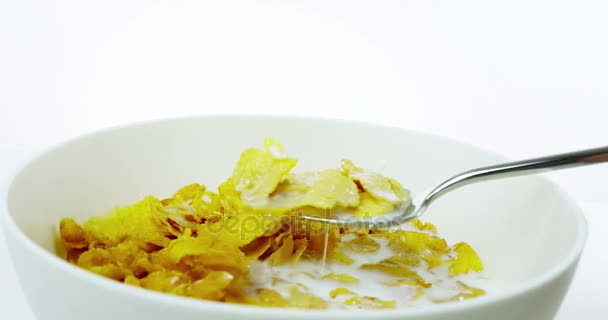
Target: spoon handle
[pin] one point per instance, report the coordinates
(519, 168)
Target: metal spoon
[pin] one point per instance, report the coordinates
(418, 205)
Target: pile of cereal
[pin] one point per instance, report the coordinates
(244, 244)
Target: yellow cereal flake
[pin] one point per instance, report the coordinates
(284, 253)
(376, 184)
(371, 206)
(340, 277)
(399, 266)
(363, 244)
(371, 302)
(140, 222)
(337, 255)
(399, 282)
(257, 247)
(424, 226)
(211, 287)
(258, 172)
(301, 297)
(429, 249)
(164, 281)
(205, 205)
(466, 292)
(304, 273)
(131, 280)
(189, 192)
(466, 260)
(325, 189)
(419, 293)
(416, 242)
(315, 235)
(340, 291)
(73, 235)
(378, 303)
(270, 298)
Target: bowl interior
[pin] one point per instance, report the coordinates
(521, 227)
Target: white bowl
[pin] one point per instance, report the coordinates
(528, 232)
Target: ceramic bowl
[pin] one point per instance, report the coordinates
(528, 232)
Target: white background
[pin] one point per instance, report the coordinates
(521, 78)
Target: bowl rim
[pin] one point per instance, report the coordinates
(11, 227)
